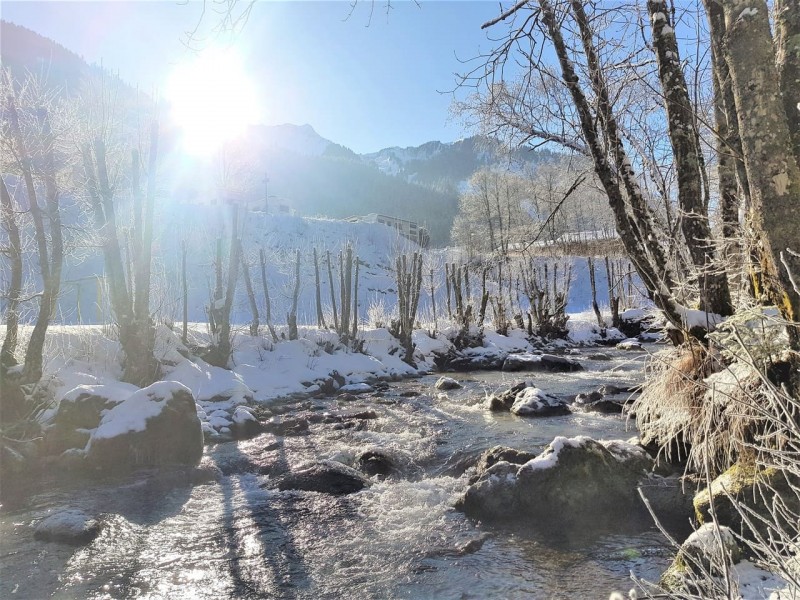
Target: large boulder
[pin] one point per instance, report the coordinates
(540, 362)
(79, 412)
(752, 488)
(574, 481)
(326, 477)
(533, 402)
(498, 454)
(526, 400)
(157, 425)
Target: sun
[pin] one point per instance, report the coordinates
(212, 100)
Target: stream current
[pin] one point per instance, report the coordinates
(400, 538)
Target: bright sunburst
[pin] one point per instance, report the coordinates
(212, 99)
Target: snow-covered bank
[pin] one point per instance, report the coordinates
(262, 371)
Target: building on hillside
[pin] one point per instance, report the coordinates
(410, 230)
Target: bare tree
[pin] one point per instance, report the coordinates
(29, 147)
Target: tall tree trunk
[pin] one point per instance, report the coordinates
(225, 335)
(713, 284)
(52, 284)
(292, 316)
(638, 238)
(14, 291)
(251, 297)
(185, 293)
(267, 301)
(333, 292)
(600, 323)
(787, 44)
(318, 292)
(773, 173)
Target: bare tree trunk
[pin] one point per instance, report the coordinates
(14, 291)
(637, 234)
(267, 302)
(185, 288)
(600, 323)
(139, 367)
(333, 293)
(251, 297)
(447, 287)
(613, 301)
(787, 44)
(409, 283)
(291, 318)
(713, 284)
(144, 258)
(49, 266)
(773, 173)
(224, 342)
(318, 293)
(484, 298)
(433, 301)
(355, 307)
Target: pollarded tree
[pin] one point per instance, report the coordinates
(103, 164)
(33, 129)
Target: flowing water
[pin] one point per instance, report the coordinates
(400, 538)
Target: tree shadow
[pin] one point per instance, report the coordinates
(277, 568)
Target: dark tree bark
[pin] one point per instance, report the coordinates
(636, 231)
(787, 44)
(713, 284)
(773, 173)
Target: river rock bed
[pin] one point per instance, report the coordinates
(249, 529)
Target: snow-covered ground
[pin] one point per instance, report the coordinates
(263, 371)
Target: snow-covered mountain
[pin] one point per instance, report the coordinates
(447, 165)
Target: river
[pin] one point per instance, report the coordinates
(400, 538)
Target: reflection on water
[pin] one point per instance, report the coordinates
(400, 538)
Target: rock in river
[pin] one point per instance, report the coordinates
(68, 526)
(540, 362)
(574, 481)
(326, 477)
(156, 426)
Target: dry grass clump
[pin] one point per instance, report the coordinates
(694, 408)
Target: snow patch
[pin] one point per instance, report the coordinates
(132, 414)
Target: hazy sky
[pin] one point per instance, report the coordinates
(366, 87)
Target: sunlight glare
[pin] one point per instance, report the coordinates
(212, 100)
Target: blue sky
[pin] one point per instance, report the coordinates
(366, 87)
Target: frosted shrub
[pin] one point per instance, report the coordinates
(754, 334)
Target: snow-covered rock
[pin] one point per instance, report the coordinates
(526, 400)
(630, 344)
(574, 481)
(706, 550)
(357, 388)
(68, 526)
(80, 411)
(533, 402)
(157, 425)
